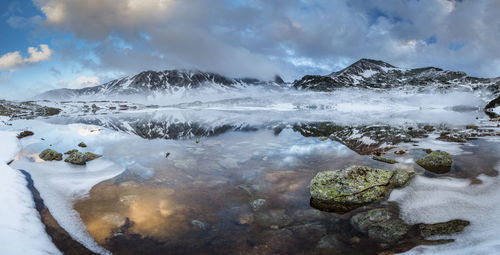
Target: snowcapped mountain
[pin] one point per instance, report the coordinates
(365, 73)
(151, 82)
(368, 73)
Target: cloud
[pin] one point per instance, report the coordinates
(14, 60)
(260, 38)
(86, 81)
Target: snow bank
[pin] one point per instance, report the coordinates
(60, 184)
(21, 230)
(432, 200)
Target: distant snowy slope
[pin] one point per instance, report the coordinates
(368, 73)
(163, 82)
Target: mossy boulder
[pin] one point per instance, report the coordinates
(82, 144)
(343, 190)
(436, 161)
(80, 158)
(76, 158)
(70, 152)
(385, 160)
(49, 155)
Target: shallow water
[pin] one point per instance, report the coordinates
(234, 181)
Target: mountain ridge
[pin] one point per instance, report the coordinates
(364, 73)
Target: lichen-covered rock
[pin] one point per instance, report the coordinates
(385, 160)
(384, 225)
(442, 228)
(70, 152)
(344, 190)
(380, 224)
(80, 158)
(82, 144)
(91, 156)
(436, 161)
(49, 155)
(76, 158)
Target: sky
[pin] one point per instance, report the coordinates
(49, 44)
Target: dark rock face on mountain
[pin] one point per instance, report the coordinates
(150, 82)
(368, 73)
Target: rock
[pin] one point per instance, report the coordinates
(471, 127)
(380, 224)
(76, 158)
(71, 152)
(344, 190)
(273, 218)
(49, 155)
(167, 154)
(443, 228)
(384, 225)
(427, 150)
(257, 204)
(400, 152)
(329, 242)
(24, 134)
(436, 161)
(385, 160)
(197, 140)
(199, 224)
(91, 156)
(82, 144)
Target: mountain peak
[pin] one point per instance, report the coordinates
(368, 63)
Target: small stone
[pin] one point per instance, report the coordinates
(385, 160)
(82, 144)
(197, 140)
(167, 154)
(24, 134)
(437, 161)
(257, 204)
(49, 155)
(427, 150)
(328, 242)
(400, 152)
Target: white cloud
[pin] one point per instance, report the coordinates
(255, 38)
(13, 60)
(86, 81)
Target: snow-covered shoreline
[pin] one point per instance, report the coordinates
(21, 230)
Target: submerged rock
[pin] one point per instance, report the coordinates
(49, 155)
(436, 161)
(347, 189)
(82, 144)
(24, 134)
(385, 160)
(384, 225)
(257, 204)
